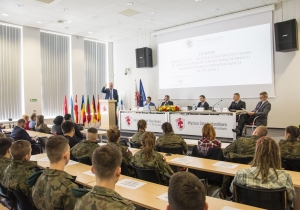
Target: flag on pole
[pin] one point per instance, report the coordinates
(83, 110)
(65, 110)
(88, 110)
(142, 95)
(72, 110)
(98, 110)
(94, 116)
(137, 98)
(76, 111)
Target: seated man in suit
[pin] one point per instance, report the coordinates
(203, 103)
(148, 102)
(111, 94)
(166, 101)
(237, 104)
(19, 133)
(261, 111)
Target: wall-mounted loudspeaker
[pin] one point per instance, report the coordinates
(286, 36)
(143, 57)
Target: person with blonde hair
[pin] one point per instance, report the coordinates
(40, 125)
(26, 118)
(141, 127)
(208, 139)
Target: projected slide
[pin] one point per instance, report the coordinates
(237, 57)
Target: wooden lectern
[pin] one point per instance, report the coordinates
(108, 113)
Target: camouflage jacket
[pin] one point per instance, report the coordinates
(136, 138)
(242, 147)
(84, 149)
(157, 161)
(171, 140)
(126, 153)
(4, 162)
(52, 190)
(16, 174)
(101, 198)
(289, 149)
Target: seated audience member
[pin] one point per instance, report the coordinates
(68, 130)
(148, 102)
(186, 192)
(208, 140)
(86, 147)
(203, 103)
(141, 127)
(32, 122)
(20, 168)
(169, 139)
(237, 103)
(51, 188)
(5, 158)
(41, 126)
(241, 148)
(166, 101)
(261, 111)
(290, 147)
(77, 134)
(18, 132)
(56, 128)
(265, 171)
(26, 118)
(149, 159)
(106, 167)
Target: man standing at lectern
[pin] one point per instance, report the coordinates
(111, 94)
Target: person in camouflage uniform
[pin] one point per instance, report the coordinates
(20, 169)
(170, 139)
(86, 147)
(5, 144)
(52, 187)
(141, 125)
(106, 167)
(241, 148)
(290, 147)
(149, 159)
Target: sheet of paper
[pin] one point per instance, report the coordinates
(46, 159)
(182, 160)
(131, 184)
(225, 164)
(163, 197)
(132, 149)
(229, 208)
(102, 143)
(89, 173)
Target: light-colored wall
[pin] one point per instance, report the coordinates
(285, 107)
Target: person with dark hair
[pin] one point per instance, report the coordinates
(186, 192)
(54, 180)
(5, 158)
(203, 103)
(141, 128)
(266, 171)
(77, 134)
(32, 122)
(56, 128)
(149, 159)
(19, 133)
(237, 103)
(169, 139)
(68, 130)
(41, 126)
(208, 140)
(167, 101)
(290, 146)
(148, 102)
(106, 167)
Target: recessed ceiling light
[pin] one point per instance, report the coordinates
(39, 21)
(90, 32)
(215, 9)
(153, 13)
(150, 20)
(129, 4)
(198, 0)
(64, 9)
(20, 5)
(5, 14)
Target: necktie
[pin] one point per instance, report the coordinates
(110, 94)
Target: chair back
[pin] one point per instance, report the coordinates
(149, 175)
(292, 164)
(261, 198)
(8, 198)
(123, 142)
(3, 192)
(242, 160)
(135, 145)
(174, 150)
(36, 149)
(124, 169)
(23, 201)
(84, 160)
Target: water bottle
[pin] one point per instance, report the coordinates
(194, 107)
(218, 108)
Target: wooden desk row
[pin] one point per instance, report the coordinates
(145, 196)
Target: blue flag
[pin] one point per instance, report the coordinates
(72, 109)
(142, 94)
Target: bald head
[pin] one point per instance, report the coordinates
(260, 131)
(111, 85)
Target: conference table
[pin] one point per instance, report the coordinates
(31, 133)
(145, 196)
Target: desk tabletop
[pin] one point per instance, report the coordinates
(99, 132)
(31, 133)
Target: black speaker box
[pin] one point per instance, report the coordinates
(286, 36)
(143, 57)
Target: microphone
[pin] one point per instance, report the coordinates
(213, 108)
(161, 102)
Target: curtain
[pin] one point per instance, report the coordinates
(55, 68)
(11, 88)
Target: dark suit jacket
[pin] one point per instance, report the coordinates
(167, 103)
(262, 112)
(205, 105)
(19, 133)
(114, 95)
(238, 106)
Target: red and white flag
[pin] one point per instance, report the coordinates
(137, 95)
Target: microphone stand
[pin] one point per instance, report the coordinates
(213, 110)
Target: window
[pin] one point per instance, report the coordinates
(55, 68)
(95, 66)
(11, 101)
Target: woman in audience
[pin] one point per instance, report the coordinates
(265, 171)
(32, 122)
(26, 118)
(41, 126)
(56, 128)
(208, 139)
(149, 159)
(290, 148)
(141, 127)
